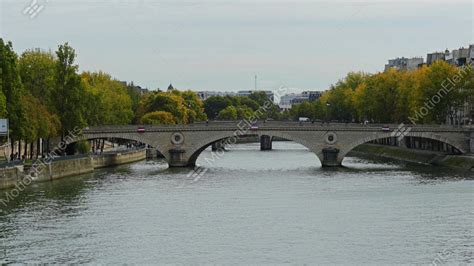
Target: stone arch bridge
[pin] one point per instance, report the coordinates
(182, 144)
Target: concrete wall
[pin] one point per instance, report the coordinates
(107, 160)
(64, 168)
(12, 176)
(9, 177)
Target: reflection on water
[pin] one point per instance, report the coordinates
(249, 207)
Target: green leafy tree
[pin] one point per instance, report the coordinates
(194, 105)
(3, 105)
(158, 118)
(82, 147)
(113, 105)
(228, 113)
(435, 94)
(69, 93)
(213, 105)
(37, 74)
(303, 109)
(247, 101)
(260, 97)
(166, 102)
(12, 90)
(244, 112)
(37, 71)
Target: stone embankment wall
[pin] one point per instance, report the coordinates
(113, 159)
(11, 176)
(459, 162)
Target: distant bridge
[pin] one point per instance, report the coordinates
(181, 145)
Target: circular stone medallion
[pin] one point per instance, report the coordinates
(330, 138)
(177, 138)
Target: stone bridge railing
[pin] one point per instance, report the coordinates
(216, 126)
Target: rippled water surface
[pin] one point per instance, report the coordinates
(248, 207)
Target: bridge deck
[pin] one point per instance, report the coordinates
(268, 126)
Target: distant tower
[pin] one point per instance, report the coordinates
(256, 82)
(170, 87)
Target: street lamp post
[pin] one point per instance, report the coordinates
(328, 105)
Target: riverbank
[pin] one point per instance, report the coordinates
(65, 167)
(458, 162)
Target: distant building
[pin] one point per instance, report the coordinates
(433, 57)
(471, 54)
(404, 63)
(462, 115)
(247, 93)
(288, 100)
(204, 95)
(312, 95)
(140, 90)
(457, 57)
(136, 88)
(461, 56)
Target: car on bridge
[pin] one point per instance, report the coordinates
(385, 128)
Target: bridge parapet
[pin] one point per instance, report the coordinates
(293, 126)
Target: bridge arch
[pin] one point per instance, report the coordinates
(231, 138)
(123, 136)
(428, 136)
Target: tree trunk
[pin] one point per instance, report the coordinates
(42, 148)
(13, 149)
(19, 150)
(25, 154)
(102, 147)
(38, 147)
(48, 147)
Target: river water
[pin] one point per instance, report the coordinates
(248, 207)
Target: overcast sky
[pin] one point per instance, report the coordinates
(222, 44)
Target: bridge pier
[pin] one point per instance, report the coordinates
(265, 143)
(472, 142)
(330, 158)
(177, 158)
(218, 146)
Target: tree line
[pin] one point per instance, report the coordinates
(241, 107)
(427, 95)
(44, 96)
